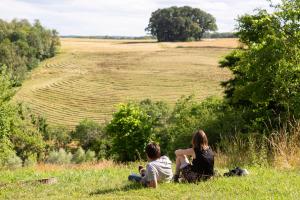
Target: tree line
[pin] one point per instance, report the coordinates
(23, 45)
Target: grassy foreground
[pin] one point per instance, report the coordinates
(109, 181)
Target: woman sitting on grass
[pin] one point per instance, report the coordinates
(202, 166)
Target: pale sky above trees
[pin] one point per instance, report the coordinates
(117, 17)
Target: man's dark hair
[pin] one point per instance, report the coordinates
(153, 150)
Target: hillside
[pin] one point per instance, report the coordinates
(89, 77)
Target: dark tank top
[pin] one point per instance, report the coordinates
(204, 161)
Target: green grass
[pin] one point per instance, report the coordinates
(89, 77)
(111, 183)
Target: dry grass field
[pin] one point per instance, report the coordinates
(89, 77)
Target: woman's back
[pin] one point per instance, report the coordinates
(204, 162)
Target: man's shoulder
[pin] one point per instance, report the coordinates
(163, 160)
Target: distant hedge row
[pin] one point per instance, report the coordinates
(23, 45)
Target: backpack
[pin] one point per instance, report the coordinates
(237, 172)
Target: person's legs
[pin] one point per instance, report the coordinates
(135, 177)
(142, 170)
(181, 162)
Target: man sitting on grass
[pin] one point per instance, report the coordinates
(159, 168)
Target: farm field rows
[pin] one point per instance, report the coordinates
(90, 77)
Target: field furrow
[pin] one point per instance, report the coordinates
(90, 77)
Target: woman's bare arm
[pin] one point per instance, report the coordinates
(186, 152)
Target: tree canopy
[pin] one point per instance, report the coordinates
(24, 45)
(18, 136)
(180, 24)
(267, 71)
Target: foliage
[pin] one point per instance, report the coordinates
(63, 157)
(91, 136)
(159, 113)
(90, 156)
(59, 157)
(18, 136)
(23, 45)
(7, 117)
(266, 79)
(31, 160)
(131, 130)
(180, 24)
(26, 137)
(57, 137)
(214, 116)
(13, 161)
(79, 156)
(219, 35)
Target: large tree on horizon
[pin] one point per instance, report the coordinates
(180, 24)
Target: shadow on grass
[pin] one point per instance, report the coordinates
(131, 186)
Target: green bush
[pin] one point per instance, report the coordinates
(31, 160)
(90, 156)
(57, 137)
(266, 73)
(131, 130)
(159, 113)
(213, 115)
(59, 157)
(17, 134)
(79, 156)
(91, 136)
(13, 162)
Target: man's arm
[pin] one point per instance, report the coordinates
(150, 178)
(152, 184)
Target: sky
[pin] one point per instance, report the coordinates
(117, 17)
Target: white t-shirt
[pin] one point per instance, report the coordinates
(159, 170)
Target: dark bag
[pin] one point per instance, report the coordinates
(237, 172)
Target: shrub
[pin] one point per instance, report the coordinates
(266, 74)
(59, 157)
(13, 161)
(92, 136)
(159, 113)
(213, 115)
(31, 160)
(131, 130)
(90, 156)
(57, 137)
(17, 134)
(79, 156)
